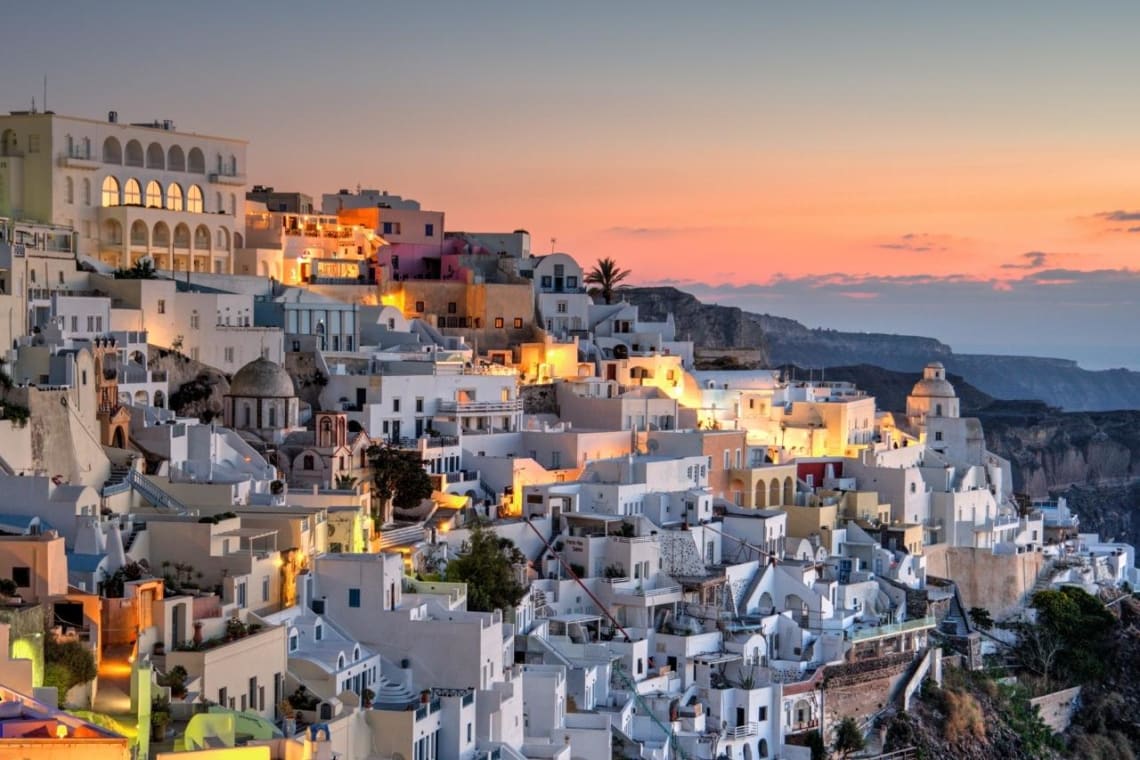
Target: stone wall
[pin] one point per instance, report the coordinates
(1057, 709)
(860, 696)
(997, 582)
(539, 399)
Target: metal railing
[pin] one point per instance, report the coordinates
(481, 407)
(154, 494)
(893, 628)
(748, 729)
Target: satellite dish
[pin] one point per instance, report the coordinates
(653, 444)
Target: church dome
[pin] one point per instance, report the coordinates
(262, 378)
(934, 383)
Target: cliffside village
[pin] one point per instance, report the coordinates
(712, 564)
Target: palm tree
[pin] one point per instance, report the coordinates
(606, 276)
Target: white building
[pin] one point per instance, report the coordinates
(129, 190)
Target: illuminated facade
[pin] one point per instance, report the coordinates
(128, 190)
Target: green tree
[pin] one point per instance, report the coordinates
(346, 483)
(398, 476)
(817, 745)
(981, 618)
(485, 564)
(143, 269)
(66, 665)
(606, 277)
(848, 737)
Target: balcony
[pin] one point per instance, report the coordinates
(222, 178)
(475, 408)
(76, 160)
(740, 732)
(892, 629)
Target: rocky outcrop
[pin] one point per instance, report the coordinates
(1057, 382)
(709, 326)
(1052, 451)
(196, 389)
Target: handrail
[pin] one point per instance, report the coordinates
(161, 499)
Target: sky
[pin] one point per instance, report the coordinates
(968, 171)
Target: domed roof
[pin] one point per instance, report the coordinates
(933, 387)
(262, 378)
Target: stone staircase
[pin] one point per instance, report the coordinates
(392, 694)
(117, 480)
(137, 526)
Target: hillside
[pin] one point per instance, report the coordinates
(1058, 382)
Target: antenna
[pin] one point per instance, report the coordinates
(45, 93)
(553, 240)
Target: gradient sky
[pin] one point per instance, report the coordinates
(963, 170)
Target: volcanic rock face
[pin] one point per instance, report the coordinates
(1057, 382)
(1055, 451)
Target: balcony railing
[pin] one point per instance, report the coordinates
(480, 407)
(748, 729)
(892, 629)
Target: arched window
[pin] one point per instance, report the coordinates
(132, 193)
(155, 157)
(139, 233)
(86, 148)
(307, 463)
(219, 162)
(134, 154)
(174, 197)
(233, 165)
(112, 151)
(69, 188)
(223, 240)
(202, 238)
(153, 194)
(194, 199)
(182, 236)
(196, 162)
(86, 192)
(272, 416)
(233, 204)
(340, 662)
(161, 235)
(176, 159)
(110, 192)
(219, 205)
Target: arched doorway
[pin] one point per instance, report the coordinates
(118, 440)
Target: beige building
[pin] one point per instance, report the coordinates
(213, 328)
(129, 190)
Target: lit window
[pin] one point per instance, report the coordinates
(499, 322)
(518, 323)
(132, 193)
(110, 192)
(174, 197)
(194, 199)
(153, 194)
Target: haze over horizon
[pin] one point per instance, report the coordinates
(965, 171)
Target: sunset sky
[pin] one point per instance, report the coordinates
(969, 171)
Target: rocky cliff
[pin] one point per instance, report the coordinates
(1091, 458)
(718, 327)
(1057, 382)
